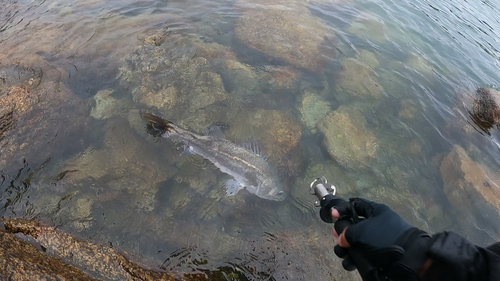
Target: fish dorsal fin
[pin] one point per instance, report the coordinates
(215, 132)
(254, 146)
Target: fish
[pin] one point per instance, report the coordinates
(245, 162)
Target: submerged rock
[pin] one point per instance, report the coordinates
(284, 30)
(278, 133)
(196, 172)
(313, 109)
(81, 213)
(408, 109)
(358, 80)
(48, 118)
(419, 63)
(177, 77)
(368, 26)
(368, 58)
(347, 138)
(283, 77)
(470, 185)
(123, 163)
(104, 105)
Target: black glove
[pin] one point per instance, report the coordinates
(383, 245)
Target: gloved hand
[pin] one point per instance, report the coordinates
(385, 245)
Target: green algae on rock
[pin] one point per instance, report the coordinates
(347, 138)
(313, 109)
(104, 105)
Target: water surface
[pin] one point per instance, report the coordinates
(371, 94)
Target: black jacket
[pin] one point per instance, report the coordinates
(456, 259)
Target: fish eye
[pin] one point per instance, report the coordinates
(280, 192)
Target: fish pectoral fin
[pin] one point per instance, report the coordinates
(187, 150)
(232, 187)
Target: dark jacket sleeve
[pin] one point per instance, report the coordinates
(456, 259)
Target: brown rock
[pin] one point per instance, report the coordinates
(486, 108)
(283, 77)
(102, 261)
(358, 80)
(34, 117)
(467, 183)
(278, 132)
(20, 260)
(289, 33)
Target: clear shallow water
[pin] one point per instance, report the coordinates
(75, 154)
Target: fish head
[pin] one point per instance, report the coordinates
(156, 126)
(270, 188)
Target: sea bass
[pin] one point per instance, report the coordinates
(245, 163)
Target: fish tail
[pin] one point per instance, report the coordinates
(158, 126)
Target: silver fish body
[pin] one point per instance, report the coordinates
(244, 163)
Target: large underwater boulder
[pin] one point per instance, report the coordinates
(358, 80)
(468, 184)
(284, 30)
(348, 139)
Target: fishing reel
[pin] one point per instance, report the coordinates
(320, 187)
(325, 193)
(327, 200)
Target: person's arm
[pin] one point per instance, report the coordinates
(400, 251)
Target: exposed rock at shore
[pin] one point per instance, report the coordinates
(20, 260)
(348, 139)
(98, 260)
(486, 108)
